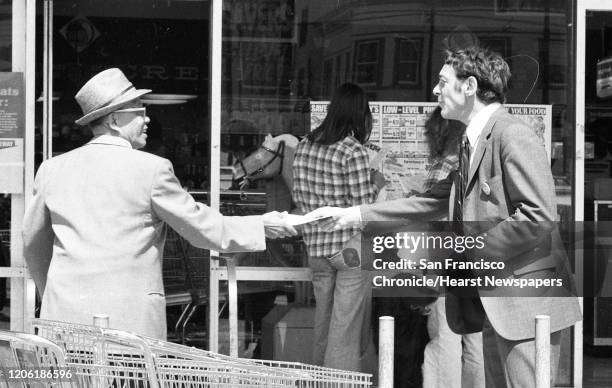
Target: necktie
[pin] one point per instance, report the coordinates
(461, 184)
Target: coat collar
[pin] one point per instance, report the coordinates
(110, 140)
(485, 138)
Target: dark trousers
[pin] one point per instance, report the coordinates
(411, 337)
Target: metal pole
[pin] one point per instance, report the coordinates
(542, 351)
(47, 94)
(232, 296)
(216, 54)
(386, 339)
(99, 381)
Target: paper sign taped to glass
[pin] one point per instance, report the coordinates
(12, 123)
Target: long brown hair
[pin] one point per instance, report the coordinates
(442, 134)
(348, 114)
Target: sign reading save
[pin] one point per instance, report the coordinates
(12, 123)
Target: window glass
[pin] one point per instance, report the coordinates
(159, 46)
(283, 54)
(408, 66)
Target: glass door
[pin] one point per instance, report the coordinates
(16, 158)
(159, 45)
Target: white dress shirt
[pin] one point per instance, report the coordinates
(477, 124)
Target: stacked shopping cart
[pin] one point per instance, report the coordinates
(104, 357)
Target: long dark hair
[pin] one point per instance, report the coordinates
(348, 114)
(442, 134)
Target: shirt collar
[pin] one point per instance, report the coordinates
(112, 140)
(479, 121)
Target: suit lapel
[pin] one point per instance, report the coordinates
(483, 143)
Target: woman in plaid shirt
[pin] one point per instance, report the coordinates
(331, 168)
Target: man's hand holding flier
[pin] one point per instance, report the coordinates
(335, 218)
(276, 226)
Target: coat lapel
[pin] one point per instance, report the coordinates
(483, 143)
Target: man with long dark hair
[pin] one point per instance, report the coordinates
(331, 168)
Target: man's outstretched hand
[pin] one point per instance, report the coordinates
(335, 218)
(276, 226)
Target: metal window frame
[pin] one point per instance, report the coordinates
(23, 60)
(582, 6)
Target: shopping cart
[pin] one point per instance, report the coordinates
(170, 357)
(182, 366)
(29, 360)
(101, 357)
(114, 358)
(320, 377)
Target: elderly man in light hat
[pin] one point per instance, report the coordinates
(95, 229)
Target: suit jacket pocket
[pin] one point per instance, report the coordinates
(537, 259)
(156, 306)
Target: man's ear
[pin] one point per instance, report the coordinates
(470, 85)
(111, 121)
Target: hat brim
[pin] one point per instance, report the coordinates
(124, 100)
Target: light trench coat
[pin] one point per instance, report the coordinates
(95, 229)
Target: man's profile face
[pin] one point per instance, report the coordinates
(133, 124)
(450, 93)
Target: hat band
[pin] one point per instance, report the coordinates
(111, 100)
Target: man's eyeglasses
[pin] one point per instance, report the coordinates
(139, 111)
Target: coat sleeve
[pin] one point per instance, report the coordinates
(429, 206)
(202, 226)
(38, 234)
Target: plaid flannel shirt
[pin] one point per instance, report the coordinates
(441, 168)
(330, 175)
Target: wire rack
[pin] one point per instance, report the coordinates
(115, 358)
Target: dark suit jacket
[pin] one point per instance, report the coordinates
(510, 199)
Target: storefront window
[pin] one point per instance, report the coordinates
(394, 50)
(284, 55)
(161, 46)
(281, 57)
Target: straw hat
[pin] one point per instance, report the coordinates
(104, 93)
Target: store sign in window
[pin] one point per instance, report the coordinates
(12, 123)
(398, 129)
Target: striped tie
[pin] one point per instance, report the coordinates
(461, 184)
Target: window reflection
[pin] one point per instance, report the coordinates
(281, 54)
